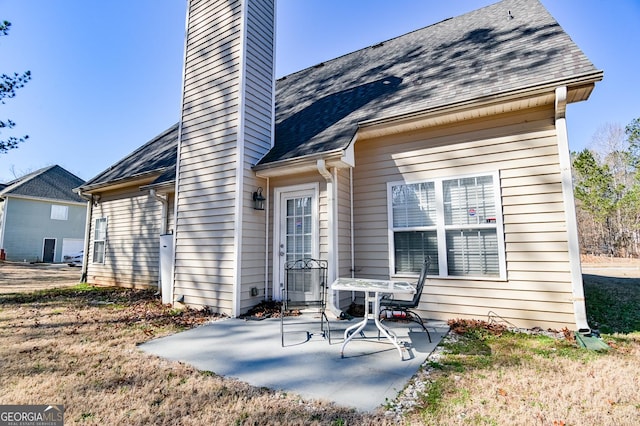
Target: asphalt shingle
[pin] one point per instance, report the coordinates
(51, 183)
(507, 46)
(158, 154)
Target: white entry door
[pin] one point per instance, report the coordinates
(297, 233)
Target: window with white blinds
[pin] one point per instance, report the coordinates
(455, 222)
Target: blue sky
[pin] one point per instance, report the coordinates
(107, 74)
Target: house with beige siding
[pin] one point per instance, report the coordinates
(448, 142)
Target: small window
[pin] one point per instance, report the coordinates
(59, 212)
(455, 222)
(99, 240)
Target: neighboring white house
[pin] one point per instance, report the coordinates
(41, 218)
(449, 142)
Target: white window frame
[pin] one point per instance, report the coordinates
(59, 212)
(441, 228)
(102, 240)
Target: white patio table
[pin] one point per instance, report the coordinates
(373, 290)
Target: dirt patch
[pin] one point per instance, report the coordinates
(610, 266)
(17, 277)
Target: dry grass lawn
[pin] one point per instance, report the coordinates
(519, 379)
(78, 347)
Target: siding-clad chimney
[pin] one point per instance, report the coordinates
(226, 126)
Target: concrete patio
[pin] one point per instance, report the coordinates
(370, 374)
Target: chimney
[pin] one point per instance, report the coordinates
(226, 127)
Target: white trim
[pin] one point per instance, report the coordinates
(440, 226)
(240, 193)
(176, 197)
(570, 212)
(274, 28)
(303, 189)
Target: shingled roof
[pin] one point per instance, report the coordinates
(157, 155)
(500, 48)
(50, 183)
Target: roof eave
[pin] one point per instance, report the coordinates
(45, 199)
(308, 163)
(579, 89)
(139, 179)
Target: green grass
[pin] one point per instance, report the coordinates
(613, 306)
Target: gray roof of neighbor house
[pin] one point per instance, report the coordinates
(51, 183)
(501, 48)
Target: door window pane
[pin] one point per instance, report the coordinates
(298, 228)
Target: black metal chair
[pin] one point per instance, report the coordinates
(392, 309)
(304, 292)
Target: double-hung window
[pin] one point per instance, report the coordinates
(455, 222)
(99, 240)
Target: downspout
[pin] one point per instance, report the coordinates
(87, 231)
(331, 237)
(165, 208)
(579, 308)
(332, 255)
(163, 228)
(352, 237)
(2, 223)
(266, 245)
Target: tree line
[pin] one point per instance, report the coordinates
(607, 192)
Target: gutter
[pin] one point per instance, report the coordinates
(587, 78)
(577, 286)
(303, 160)
(129, 180)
